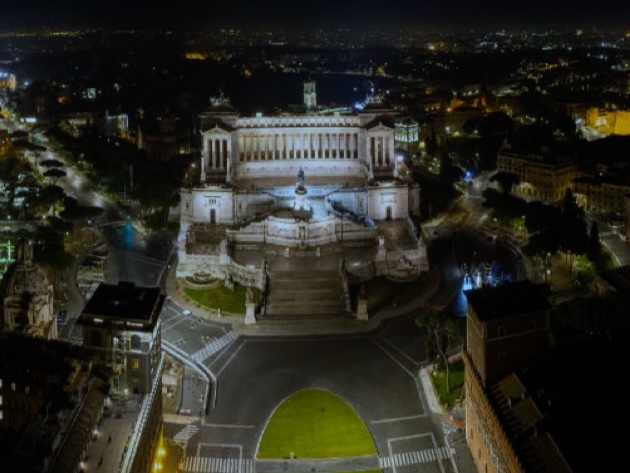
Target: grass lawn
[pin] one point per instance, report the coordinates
(314, 423)
(456, 383)
(220, 297)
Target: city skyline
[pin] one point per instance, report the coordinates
(326, 13)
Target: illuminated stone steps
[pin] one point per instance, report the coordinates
(304, 294)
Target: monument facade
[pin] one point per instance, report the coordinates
(312, 182)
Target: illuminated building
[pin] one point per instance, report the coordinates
(608, 123)
(8, 81)
(543, 176)
(307, 183)
(407, 133)
(602, 194)
(28, 296)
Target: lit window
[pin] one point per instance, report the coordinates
(1, 399)
(1, 415)
(0, 383)
(135, 364)
(13, 387)
(27, 390)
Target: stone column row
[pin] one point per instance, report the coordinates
(298, 146)
(381, 151)
(216, 151)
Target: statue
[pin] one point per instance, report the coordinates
(223, 247)
(249, 295)
(300, 177)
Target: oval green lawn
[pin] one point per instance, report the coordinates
(314, 423)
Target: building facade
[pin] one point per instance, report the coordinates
(51, 399)
(507, 327)
(121, 326)
(307, 181)
(28, 296)
(543, 176)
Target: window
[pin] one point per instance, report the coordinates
(0, 383)
(1, 400)
(1, 415)
(135, 342)
(13, 387)
(27, 390)
(135, 364)
(502, 330)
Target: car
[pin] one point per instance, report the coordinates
(186, 312)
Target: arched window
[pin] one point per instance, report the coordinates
(135, 342)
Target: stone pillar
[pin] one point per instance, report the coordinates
(217, 151)
(228, 164)
(362, 312)
(370, 158)
(250, 312)
(392, 155)
(202, 178)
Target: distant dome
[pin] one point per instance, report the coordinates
(24, 275)
(28, 296)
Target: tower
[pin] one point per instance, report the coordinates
(310, 95)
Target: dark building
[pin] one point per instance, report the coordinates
(51, 399)
(507, 327)
(121, 326)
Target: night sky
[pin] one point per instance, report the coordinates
(317, 13)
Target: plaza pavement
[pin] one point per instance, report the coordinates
(461, 456)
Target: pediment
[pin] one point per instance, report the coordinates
(378, 128)
(216, 130)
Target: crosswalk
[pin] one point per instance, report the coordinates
(215, 346)
(218, 465)
(186, 433)
(414, 458)
(247, 465)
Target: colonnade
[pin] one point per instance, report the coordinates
(298, 145)
(378, 147)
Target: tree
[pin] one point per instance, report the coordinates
(506, 180)
(572, 228)
(55, 174)
(542, 245)
(51, 163)
(441, 330)
(594, 249)
(540, 216)
(51, 196)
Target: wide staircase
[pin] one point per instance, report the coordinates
(305, 293)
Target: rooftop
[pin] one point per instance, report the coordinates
(123, 302)
(507, 300)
